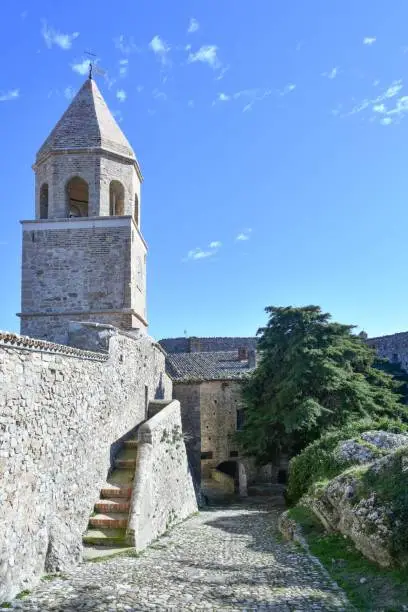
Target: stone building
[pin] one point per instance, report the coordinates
(393, 347)
(207, 375)
(91, 445)
(84, 257)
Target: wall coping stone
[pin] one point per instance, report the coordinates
(15, 341)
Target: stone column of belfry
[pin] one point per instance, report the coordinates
(84, 257)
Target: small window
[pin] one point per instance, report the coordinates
(207, 455)
(234, 454)
(136, 212)
(44, 201)
(240, 419)
(116, 199)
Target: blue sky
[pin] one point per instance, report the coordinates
(273, 139)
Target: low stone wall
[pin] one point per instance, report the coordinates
(63, 412)
(163, 492)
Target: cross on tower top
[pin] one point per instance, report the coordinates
(93, 65)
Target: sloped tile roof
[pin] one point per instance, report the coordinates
(219, 365)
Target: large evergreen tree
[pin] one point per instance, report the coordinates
(312, 374)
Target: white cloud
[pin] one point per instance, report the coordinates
(159, 95)
(386, 121)
(123, 67)
(199, 254)
(207, 54)
(250, 95)
(287, 89)
(160, 48)
(223, 71)
(53, 37)
(222, 97)
(377, 104)
(81, 67)
(216, 244)
(193, 25)
(125, 45)
(69, 92)
(139, 88)
(244, 235)
(12, 94)
(332, 73)
(121, 95)
(369, 40)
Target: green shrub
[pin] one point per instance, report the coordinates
(318, 461)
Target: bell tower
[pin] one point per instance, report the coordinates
(84, 257)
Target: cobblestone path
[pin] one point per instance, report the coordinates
(227, 558)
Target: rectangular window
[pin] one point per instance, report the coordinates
(240, 419)
(207, 455)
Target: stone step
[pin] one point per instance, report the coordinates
(132, 443)
(112, 505)
(105, 537)
(110, 520)
(125, 463)
(128, 453)
(117, 491)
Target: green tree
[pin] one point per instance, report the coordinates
(313, 374)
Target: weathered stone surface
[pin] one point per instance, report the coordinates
(62, 417)
(350, 505)
(356, 452)
(163, 492)
(223, 559)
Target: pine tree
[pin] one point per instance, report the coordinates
(313, 374)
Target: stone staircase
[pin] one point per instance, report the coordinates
(107, 526)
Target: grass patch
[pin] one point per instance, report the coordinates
(368, 586)
(23, 594)
(5, 604)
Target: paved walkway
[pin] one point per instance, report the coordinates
(223, 559)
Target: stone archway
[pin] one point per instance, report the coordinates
(235, 470)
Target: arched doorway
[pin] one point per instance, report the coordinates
(77, 197)
(235, 470)
(116, 199)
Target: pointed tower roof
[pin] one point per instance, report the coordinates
(87, 124)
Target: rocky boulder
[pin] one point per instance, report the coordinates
(369, 503)
(370, 446)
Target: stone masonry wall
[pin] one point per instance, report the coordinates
(81, 266)
(61, 416)
(164, 491)
(393, 347)
(206, 345)
(188, 394)
(219, 403)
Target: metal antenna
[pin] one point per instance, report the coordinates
(93, 65)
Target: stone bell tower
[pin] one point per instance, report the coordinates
(84, 257)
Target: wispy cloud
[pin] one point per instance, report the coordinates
(378, 104)
(222, 97)
(160, 48)
(249, 96)
(287, 89)
(69, 92)
(24, 14)
(81, 67)
(369, 40)
(123, 67)
(207, 54)
(118, 115)
(121, 95)
(125, 45)
(159, 95)
(193, 26)
(12, 94)
(190, 103)
(53, 37)
(389, 115)
(244, 235)
(199, 253)
(331, 74)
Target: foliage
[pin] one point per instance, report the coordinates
(313, 374)
(367, 586)
(318, 461)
